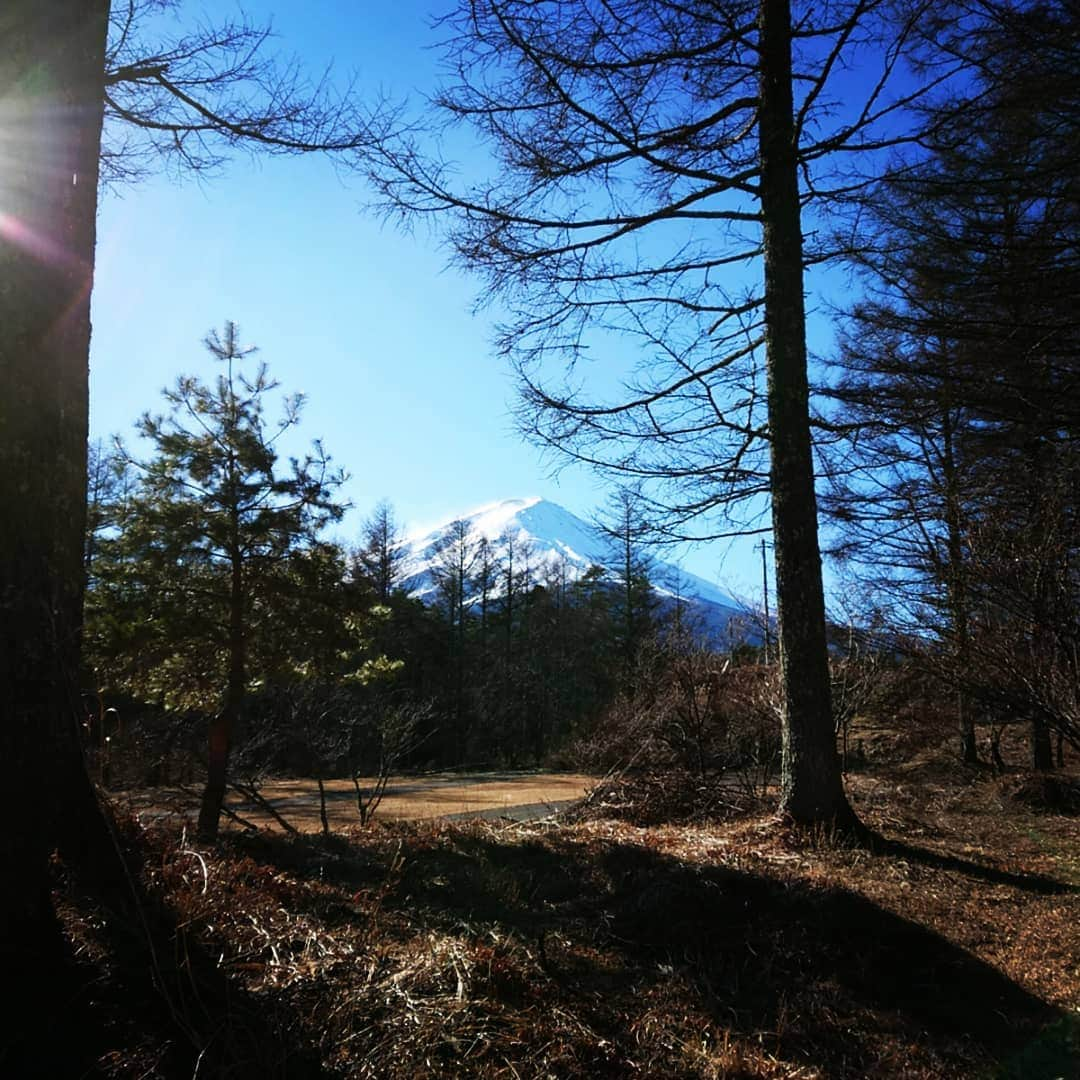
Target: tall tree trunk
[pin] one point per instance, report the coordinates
(628, 598)
(1042, 517)
(322, 803)
(956, 588)
(51, 97)
(510, 738)
(812, 787)
(1042, 750)
(965, 718)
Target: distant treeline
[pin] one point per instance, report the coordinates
(214, 598)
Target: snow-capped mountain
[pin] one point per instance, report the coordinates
(552, 535)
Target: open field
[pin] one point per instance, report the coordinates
(660, 930)
(513, 794)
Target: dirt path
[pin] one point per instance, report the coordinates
(522, 796)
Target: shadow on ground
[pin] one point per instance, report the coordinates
(1038, 884)
(821, 971)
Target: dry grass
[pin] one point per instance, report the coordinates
(719, 947)
(406, 798)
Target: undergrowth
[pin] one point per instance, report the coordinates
(615, 944)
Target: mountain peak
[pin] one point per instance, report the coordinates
(494, 518)
(552, 534)
(489, 520)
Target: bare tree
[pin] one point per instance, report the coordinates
(457, 552)
(624, 524)
(956, 492)
(184, 96)
(109, 485)
(485, 579)
(647, 153)
(378, 745)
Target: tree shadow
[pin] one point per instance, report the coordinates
(612, 922)
(761, 954)
(313, 856)
(1025, 882)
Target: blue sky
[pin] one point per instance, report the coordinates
(403, 386)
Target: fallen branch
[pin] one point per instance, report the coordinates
(258, 800)
(241, 821)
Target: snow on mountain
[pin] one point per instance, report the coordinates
(552, 534)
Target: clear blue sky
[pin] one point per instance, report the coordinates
(403, 386)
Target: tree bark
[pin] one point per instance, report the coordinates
(322, 805)
(51, 72)
(1042, 750)
(969, 751)
(224, 723)
(956, 588)
(812, 789)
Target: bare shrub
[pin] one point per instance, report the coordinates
(324, 730)
(699, 712)
(670, 796)
(855, 681)
(907, 714)
(1043, 793)
(753, 700)
(132, 745)
(667, 715)
(379, 742)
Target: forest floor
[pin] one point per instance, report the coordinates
(663, 928)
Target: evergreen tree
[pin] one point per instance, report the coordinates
(633, 598)
(380, 558)
(214, 544)
(959, 494)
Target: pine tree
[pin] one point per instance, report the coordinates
(215, 543)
